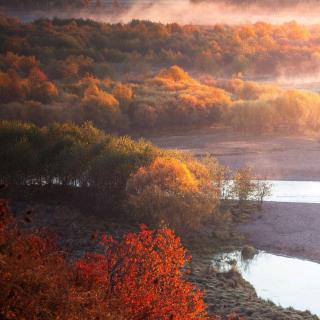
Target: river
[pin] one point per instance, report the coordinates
(288, 282)
(295, 191)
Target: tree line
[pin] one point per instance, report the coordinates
(167, 101)
(68, 84)
(170, 100)
(259, 49)
(135, 178)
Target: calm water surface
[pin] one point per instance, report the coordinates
(295, 191)
(288, 282)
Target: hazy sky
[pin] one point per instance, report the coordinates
(187, 12)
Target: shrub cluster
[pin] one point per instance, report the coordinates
(173, 191)
(290, 111)
(171, 99)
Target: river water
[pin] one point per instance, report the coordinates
(288, 282)
(295, 191)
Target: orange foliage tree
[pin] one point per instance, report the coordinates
(177, 193)
(142, 275)
(33, 273)
(102, 108)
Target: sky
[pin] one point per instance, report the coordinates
(193, 12)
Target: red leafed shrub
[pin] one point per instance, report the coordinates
(142, 276)
(33, 274)
(139, 277)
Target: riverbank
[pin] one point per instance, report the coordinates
(285, 228)
(290, 229)
(224, 293)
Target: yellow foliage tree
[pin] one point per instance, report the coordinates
(167, 174)
(174, 192)
(102, 108)
(173, 78)
(122, 92)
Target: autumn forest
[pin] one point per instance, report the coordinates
(96, 221)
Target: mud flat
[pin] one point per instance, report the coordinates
(271, 157)
(286, 228)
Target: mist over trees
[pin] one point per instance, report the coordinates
(291, 112)
(113, 85)
(141, 77)
(47, 4)
(140, 45)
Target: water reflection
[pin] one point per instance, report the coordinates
(225, 261)
(288, 282)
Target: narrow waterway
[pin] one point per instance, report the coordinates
(288, 282)
(295, 191)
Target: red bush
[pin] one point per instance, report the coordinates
(33, 273)
(139, 277)
(142, 275)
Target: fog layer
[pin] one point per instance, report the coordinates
(188, 12)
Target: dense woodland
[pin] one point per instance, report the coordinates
(122, 77)
(260, 49)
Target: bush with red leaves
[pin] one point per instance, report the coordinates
(139, 277)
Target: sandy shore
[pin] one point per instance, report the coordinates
(286, 228)
(272, 157)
